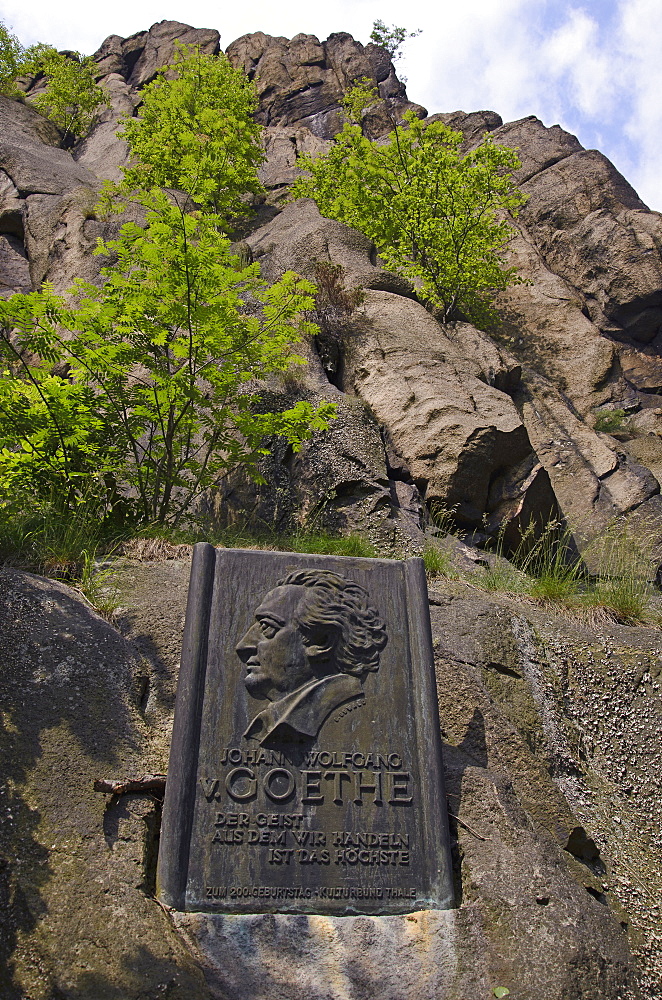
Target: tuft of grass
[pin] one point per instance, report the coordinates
(62, 544)
(443, 517)
(49, 539)
(160, 542)
(437, 561)
(502, 575)
(96, 587)
(549, 569)
(320, 543)
(622, 586)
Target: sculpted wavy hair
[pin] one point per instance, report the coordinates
(342, 607)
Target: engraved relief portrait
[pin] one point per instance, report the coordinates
(315, 639)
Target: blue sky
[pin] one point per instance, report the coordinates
(593, 68)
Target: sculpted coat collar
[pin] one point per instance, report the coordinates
(302, 713)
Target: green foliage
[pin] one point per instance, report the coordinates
(610, 421)
(195, 131)
(136, 395)
(391, 38)
(72, 98)
(11, 52)
(437, 562)
(359, 99)
(159, 364)
(51, 430)
(435, 216)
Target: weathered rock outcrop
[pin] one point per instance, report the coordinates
(340, 482)
(302, 81)
(138, 58)
(586, 225)
(552, 776)
(551, 728)
(441, 396)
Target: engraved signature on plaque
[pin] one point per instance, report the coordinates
(315, 639)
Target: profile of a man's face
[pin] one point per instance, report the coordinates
(277, 658)
(315, 637)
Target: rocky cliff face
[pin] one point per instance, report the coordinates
(548, 725)
(499, 428)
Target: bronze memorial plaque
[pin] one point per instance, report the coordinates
(305, 773)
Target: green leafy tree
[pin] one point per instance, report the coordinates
(72, 97)
(437, 217)
(161, 363)
(157, 391)
(11, 52)
(196, 132)
(392, 39)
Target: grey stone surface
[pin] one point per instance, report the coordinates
(14, 267)
(101, 151)
(593, 230)
(281, 148)
(319, 958)
(551, 731)
(301, 80)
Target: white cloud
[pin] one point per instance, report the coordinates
(573, 55)
(640, 37)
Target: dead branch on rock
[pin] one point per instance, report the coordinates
(154, 783)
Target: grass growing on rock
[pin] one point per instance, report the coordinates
(438, 562)
(78, 549)
(548, 569)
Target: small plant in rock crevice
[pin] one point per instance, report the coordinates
(391, 38)
(611, 421)
(334, 313)
(550, 569)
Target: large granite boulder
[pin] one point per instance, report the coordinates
(301, 81)
(550, 731)
(455, 431)
(299, 237)
(138, 58)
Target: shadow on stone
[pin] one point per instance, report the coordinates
(471, 752)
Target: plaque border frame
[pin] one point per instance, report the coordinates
(178, 807)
